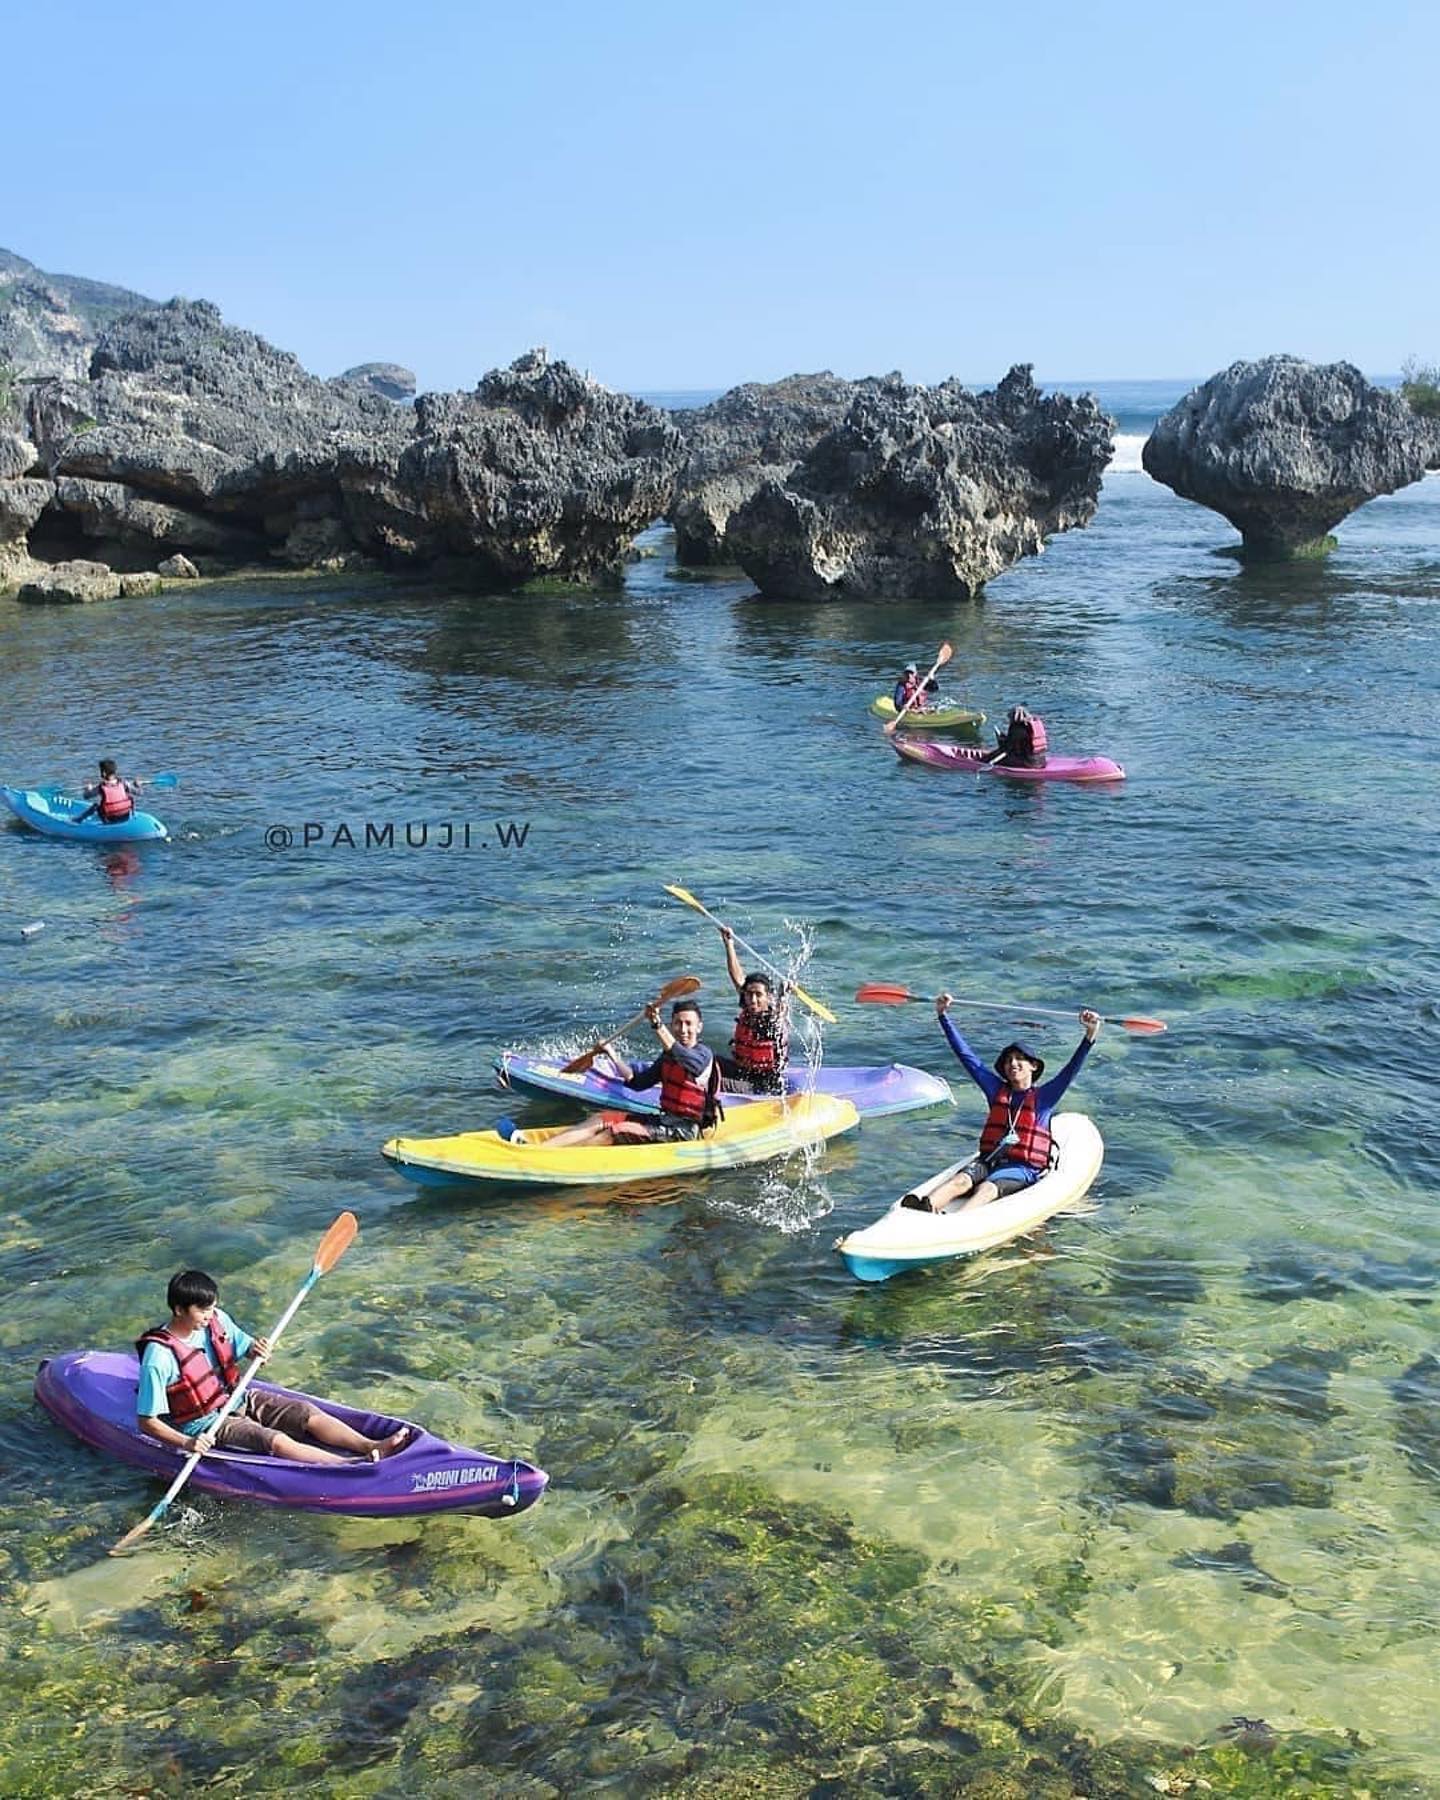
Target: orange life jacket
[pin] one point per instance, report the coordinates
(197, 1388)
(115, 801)
(688, 1096)
(1031, 1141)
(1039, 737)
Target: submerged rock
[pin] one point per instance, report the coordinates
(926, 492)
(1286, 449)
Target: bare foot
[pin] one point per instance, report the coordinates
(391, 1445)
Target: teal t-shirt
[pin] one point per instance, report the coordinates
(158, 1368)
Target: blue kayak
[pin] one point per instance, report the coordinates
(874, 1092)
(57, 815)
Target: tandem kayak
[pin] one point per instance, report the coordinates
(935, 718)
(904, 1238)
(750, 1134)
(92, 1393)
(57, 815)
(875, 1092)
(969, 761)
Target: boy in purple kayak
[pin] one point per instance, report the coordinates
(1016, 1148)
(189, 1368)
(760, 1046)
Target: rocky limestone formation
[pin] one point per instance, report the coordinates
(392, 381)
(1285, 449)
(75, 583)
(926, 492)
(189, 434)
(49, 323)
(750, 435)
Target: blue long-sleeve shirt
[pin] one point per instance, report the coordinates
(1047, 1093)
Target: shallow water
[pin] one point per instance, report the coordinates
(1063, 1515)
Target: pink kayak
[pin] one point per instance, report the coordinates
(969, 760)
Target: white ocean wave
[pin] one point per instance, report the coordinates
(1126, 460)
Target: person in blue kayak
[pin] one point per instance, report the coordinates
(911, 691)
(689, 1078)
(113, 795)
(188, 1369)
(1022, 741)
(760, 1046)
(1015, 1144)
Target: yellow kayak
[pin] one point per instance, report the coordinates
(937, 718)
(750, 1134)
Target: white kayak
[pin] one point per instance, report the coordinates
(905, 1238)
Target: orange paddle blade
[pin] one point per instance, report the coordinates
(336, 1241)
(885, 993)
(1146, 1027)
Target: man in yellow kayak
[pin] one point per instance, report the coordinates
(689, 1079)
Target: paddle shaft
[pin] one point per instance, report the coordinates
(945, 654)
(897, 996)
(672, 990)
(750, 950)
(237, 1394)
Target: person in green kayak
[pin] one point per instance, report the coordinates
(188, 1369)
(760, 1046)
(689, 1078)
(1015, 1143)
(113, 795)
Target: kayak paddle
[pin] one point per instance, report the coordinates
(332, 1247)
(168, 779)
(672, 990)
(946, 652)
(885, 993)
(687, 898)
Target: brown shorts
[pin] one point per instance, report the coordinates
(253, 1424)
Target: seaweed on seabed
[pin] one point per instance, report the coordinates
(1217, 1449)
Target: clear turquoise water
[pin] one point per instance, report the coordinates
(1028, 1514)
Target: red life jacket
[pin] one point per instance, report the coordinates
(757, 1050)
(915, 696)
(197, 1389)
(1039, 737)
(688, 1096)
(1033, 1144)
(115, 801)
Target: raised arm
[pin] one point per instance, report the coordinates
(732, 961)
(1048, 1092)
(985, 1079)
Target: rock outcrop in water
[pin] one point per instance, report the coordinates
(1286, 449)
(925, 492)
(191, 436)
(750, 435)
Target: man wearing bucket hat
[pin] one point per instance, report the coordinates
(1015, 1143)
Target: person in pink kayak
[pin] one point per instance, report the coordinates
(189, 1368)
(1022, 741)
(1016, 1148)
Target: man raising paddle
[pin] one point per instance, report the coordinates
(1015, 1143)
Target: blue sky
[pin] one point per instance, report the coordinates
(683, 197)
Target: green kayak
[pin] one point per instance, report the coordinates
(934, 718)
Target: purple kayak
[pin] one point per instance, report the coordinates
(874, 1092)
(92, 1393)
(968, 759)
